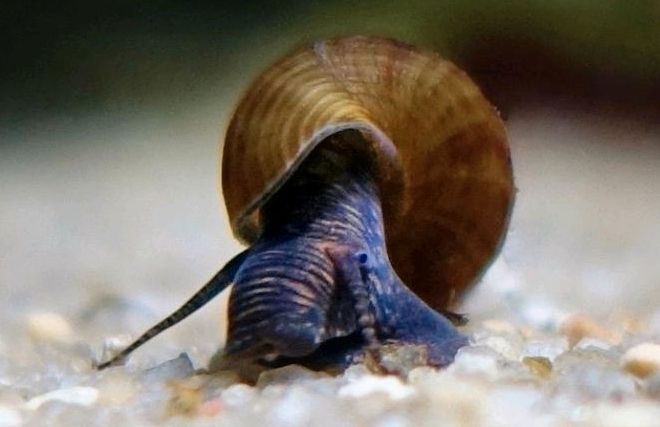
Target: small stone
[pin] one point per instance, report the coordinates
(586, 381)
(117, 389)
(401, 359)
(642, 360)
(295, 407)
(389, 386)
(80, 395)
(449, 400)
(594, 357)
(579, 326)
(211, 408)
(420, 373)
(286, 375)
(503, 346)
(587, 342)
(238, 394)
(173, 369)
(476, 360)
(539, 366)
(48, 326)
(629, 322)
(10, 417)
(549, 348)
(185, 399)
(519, 403)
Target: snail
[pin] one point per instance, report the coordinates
(341, 157)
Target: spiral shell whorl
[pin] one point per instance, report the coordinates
(444, 170)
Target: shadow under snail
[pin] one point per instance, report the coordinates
(341, 157)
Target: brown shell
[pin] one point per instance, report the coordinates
(445, 174)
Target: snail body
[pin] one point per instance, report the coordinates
(320, 271)
(339, 157)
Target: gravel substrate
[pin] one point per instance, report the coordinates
(584, 374)
(98, 241)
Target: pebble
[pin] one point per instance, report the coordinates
(579, 326)
(642, 360)
(211, 408)
(591, 355)
(398, 359)
(79, 395)
(509, 376)
(521, 405)
(238, 395)
(185, 399)
(476, 360)
(502, 345)
(587, 381)
(49, 327)
(287, 375)
(549, 348)
(10, 417)
(539, 366)
(117, 389)
(390, 386)
(173, 369)
(294, 408)
(441, 390)
(587, 342)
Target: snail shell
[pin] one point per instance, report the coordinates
(444, 172)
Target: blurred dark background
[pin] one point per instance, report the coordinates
(111, 113)
(63, 57)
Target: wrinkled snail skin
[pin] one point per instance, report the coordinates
(341, 157)
(321, 251)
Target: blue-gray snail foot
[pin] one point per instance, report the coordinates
(407, 349)
(427, 332)
(390, 325)
(290, 334)
(397, 353)
(392, 356)
(438, 354)
(397, 350)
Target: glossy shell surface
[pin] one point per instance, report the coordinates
(445, 175)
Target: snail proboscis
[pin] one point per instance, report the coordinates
(341, 157)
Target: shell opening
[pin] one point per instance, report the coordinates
(387, 170)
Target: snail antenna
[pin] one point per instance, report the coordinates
(214, 286)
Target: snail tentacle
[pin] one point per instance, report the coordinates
(356, 271)
(217, 284)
